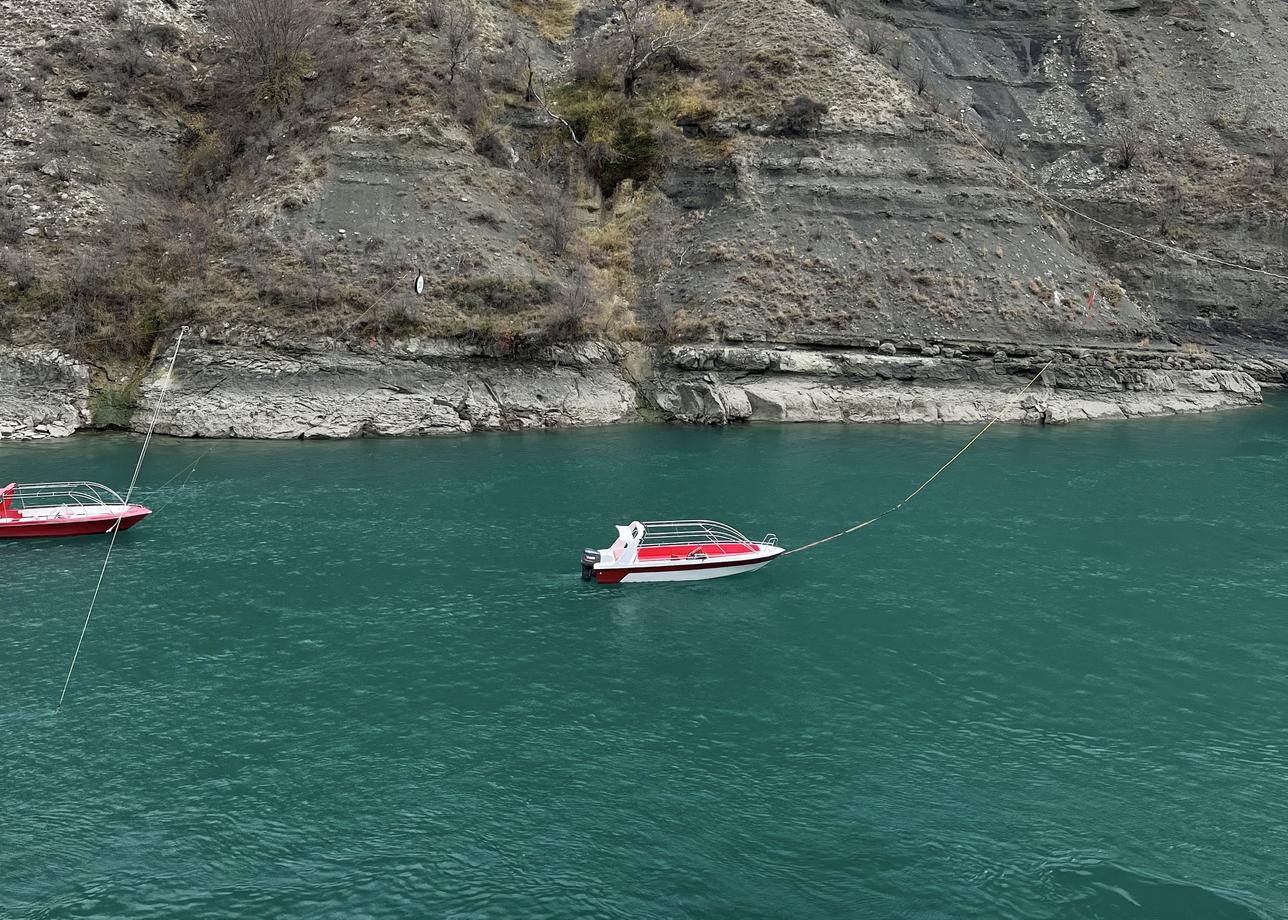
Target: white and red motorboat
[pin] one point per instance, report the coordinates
(64, 509)
(676, 551)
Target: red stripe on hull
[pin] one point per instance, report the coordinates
(613, 576)
(68, 527)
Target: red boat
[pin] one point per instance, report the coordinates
(64, 509)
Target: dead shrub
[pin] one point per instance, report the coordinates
(471, 103)
(392, 320)
(499, 295)
(10, 225)
(1000, 138)
(730, 76)
(1172, 211)
(283, 56)
(163, 35)
(286, 64)
(1125, 149)
(674, 324)
(921, 77)
(432, 12)
(898, 50)
(495, 147)
(1277, 154)
(35, 87)
(554, 202)
(801, 117)
(575, 307)
(6, 101)
(115, 304)
(127, 59)
(208, 160)
(593, 63)
(16, 267)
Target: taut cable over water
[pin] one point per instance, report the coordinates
(915, 492)
(116, 528)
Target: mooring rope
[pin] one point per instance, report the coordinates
(116, 528)
(189, 469)
(917, 491)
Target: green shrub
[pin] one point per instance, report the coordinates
(113, 406)
(619, 141)
(283, 78)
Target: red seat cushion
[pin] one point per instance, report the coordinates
(682, 552)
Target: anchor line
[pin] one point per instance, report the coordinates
(997, 417)
(189, 469)
(116, 527)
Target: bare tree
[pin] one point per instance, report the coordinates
(649, 30)
(460, 35)
(517, 68)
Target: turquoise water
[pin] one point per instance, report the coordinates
(364, 679)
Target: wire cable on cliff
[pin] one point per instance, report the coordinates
(915, 492)
(116, 528)
(1158, 244)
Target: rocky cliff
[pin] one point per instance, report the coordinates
(838, 210)
(417, 387)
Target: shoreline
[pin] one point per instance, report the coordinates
(252, 388)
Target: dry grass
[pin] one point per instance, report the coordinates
(553, 18)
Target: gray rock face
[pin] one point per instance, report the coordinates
(251, 393)
(820, 386)
(43, 393)
(430, 387)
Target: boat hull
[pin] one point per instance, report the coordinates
(78, 526)
(680, 572)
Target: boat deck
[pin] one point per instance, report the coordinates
(685, 551)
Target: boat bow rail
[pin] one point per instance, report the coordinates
(31, 495)
(721, 538)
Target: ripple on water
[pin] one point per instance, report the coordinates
(399, 700)
(1106, 891)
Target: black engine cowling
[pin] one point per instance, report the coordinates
(588, 559)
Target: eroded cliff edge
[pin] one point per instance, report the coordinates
(239, 389)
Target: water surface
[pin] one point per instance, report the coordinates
(364, 679)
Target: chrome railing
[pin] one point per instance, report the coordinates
(30, 495)
(687, 533)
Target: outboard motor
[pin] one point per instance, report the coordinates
(588, 559)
